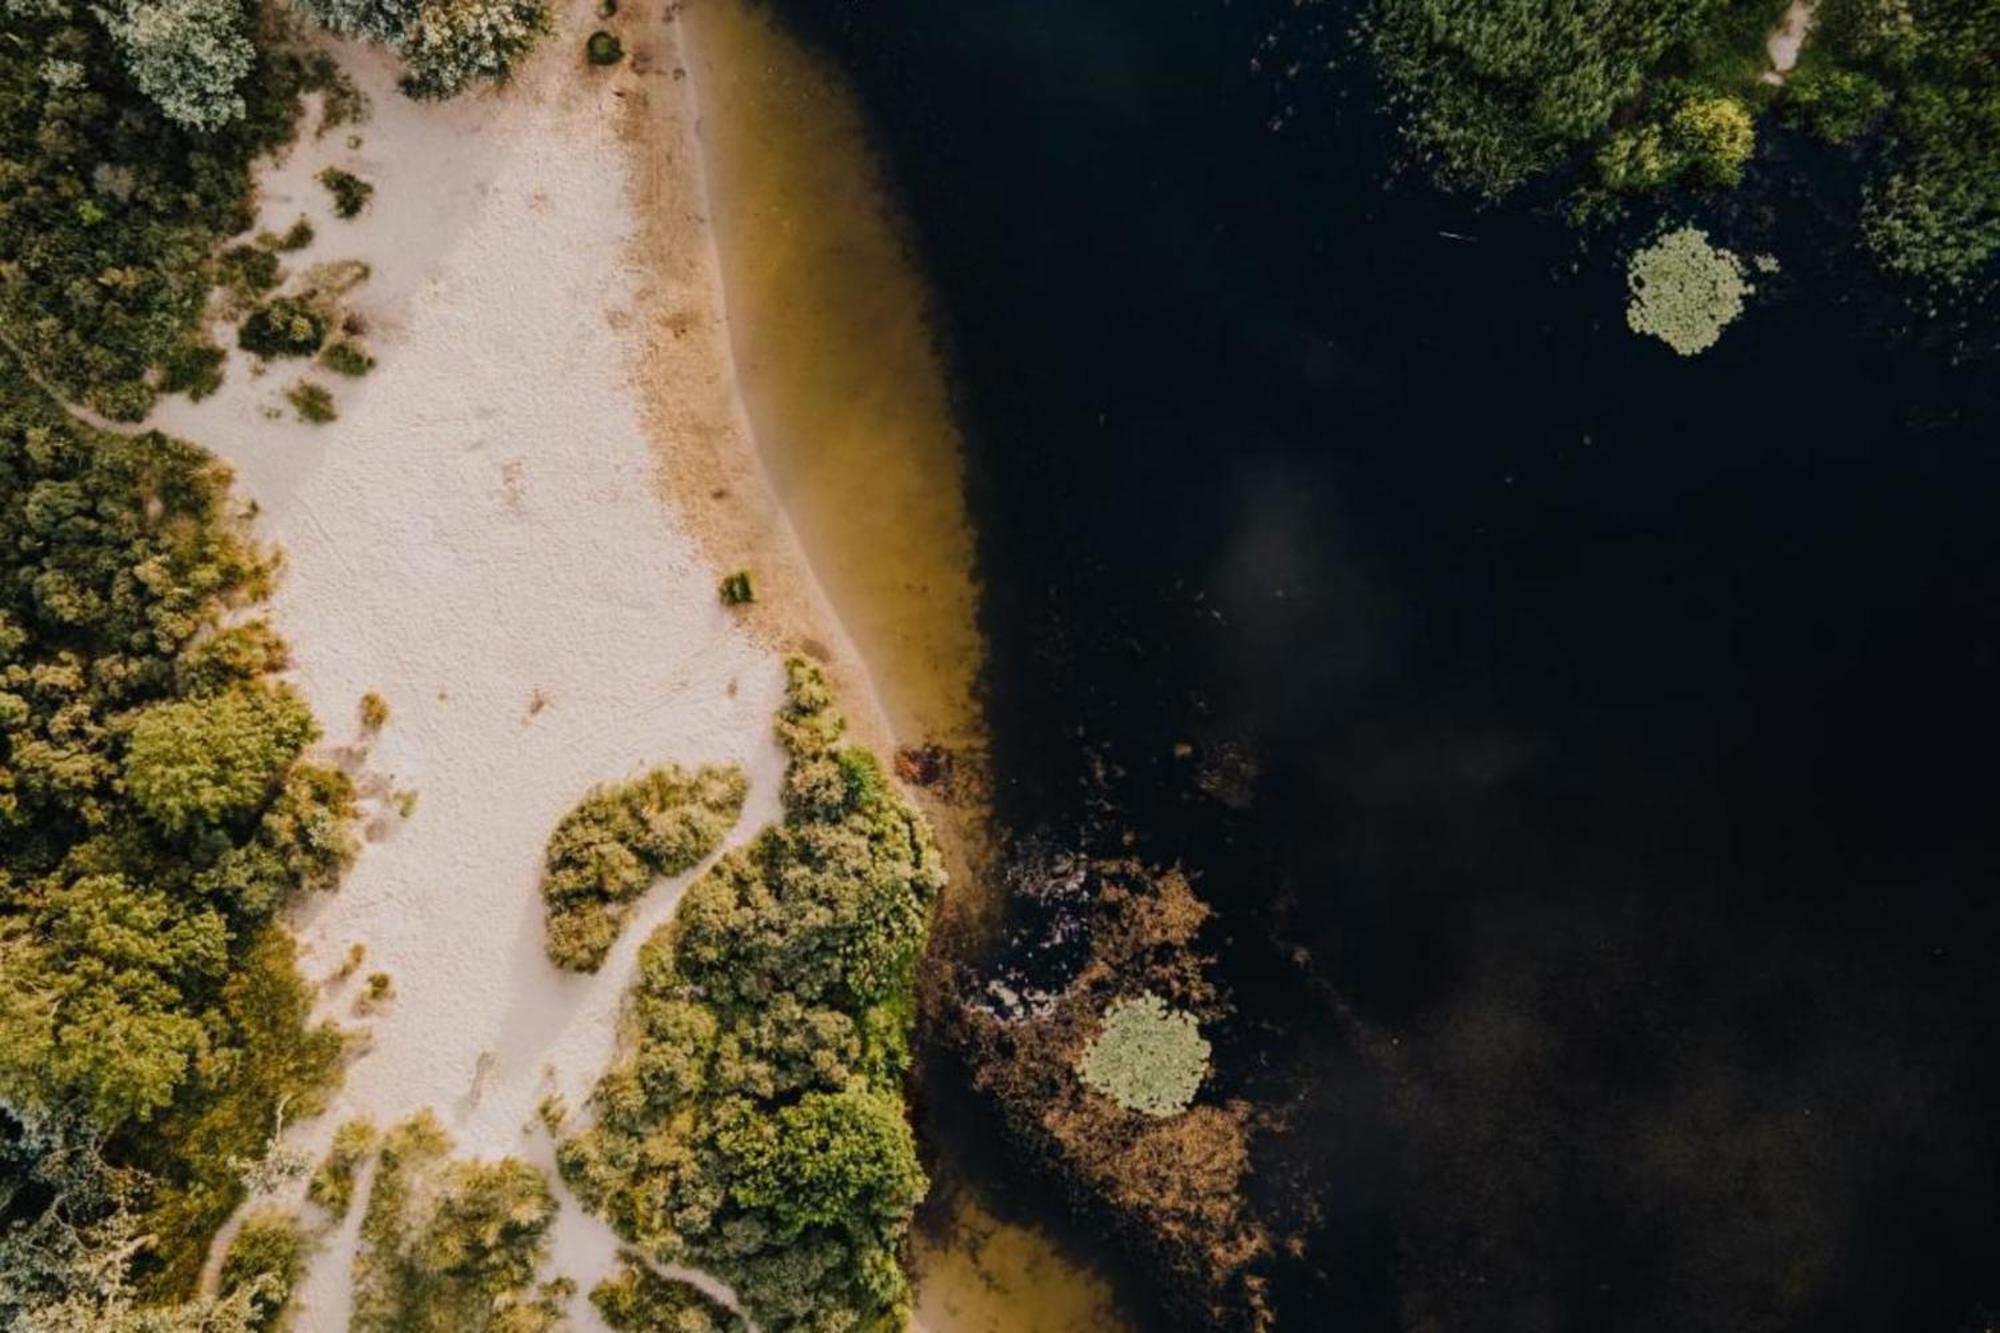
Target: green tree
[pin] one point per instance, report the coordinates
(189, 56)
(199, 763)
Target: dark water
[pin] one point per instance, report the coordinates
(1618, 887)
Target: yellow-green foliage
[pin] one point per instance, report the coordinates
(451, 1245)
(155, 811)
(638, 1300)
(266, 1259)
(1146, 1057)
(754, 1124)
(1685, 291)
(332, 1183)
(617, 840)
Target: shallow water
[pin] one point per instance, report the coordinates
(1585, 746)
(836, 363)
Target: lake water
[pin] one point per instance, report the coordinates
(1588, 749)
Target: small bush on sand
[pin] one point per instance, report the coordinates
(603, 48)
(312, 402)
(350, 193)
(332, 1184)
(284, 326)
(617, 840)
(345, 356)
(452, 43)
(737, 590)
(638, 1300)
(374, 711)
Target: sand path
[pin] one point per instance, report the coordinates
(1788, 39)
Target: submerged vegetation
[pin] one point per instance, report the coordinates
(453, 1245)
(754, 1123)
(618, 840)
(1635, 97)
(1100, 1084)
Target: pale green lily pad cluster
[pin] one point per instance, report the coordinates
(1148, 1058)
(1684, 290)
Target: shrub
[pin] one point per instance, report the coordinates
(312, 402)
(617, 840)
(374, 711)
(1147, 1058)
(736, 589)
(1836, 104)
(297, 236)
(332, 1183)
(603, 48)
(265, 1260)
(754, 1124)
(193, 368)
(188, 56)
(347, 357)
(452, 1246)
(451, 43)
(1715, 137)
(637, 1300)
(1684, 290)
(284, 326)
(350, 193)
(374, 20)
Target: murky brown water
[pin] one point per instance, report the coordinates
(834, 356)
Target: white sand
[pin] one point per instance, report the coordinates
(1787, 39)
(481, 528)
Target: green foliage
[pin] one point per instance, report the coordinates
(284, 326)
(736, 589)
(450, 44)
(197, 764)
(753, 1125)
(1492, 94)
(188, 56)
(1684, 290)
(347, 357)
(1147, 1058)
(350, 193)
(154, 813)
(638, 1300)
(1838, 105)
(1715, 137)
(249, 271)
(332, 1183)
(110, 210)
(95, 1293)
(312, 402)
(266, 1260)
(451, 1246)
(603, 48)
(617, 840)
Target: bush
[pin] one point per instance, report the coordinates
(603, 48)
(637, 1300)
(452, 1246)
(1715, 137)
(347, 357)
(188, 56)
(616, 841)
(332, 1183)
(736, 589)
(265, 1260)
(1836, 104)
(373, 20)
(195, 764)
(754, 1124)
(451, 43)
(350, 193)
(1684, 290)
(312, 402)
(283, 326)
